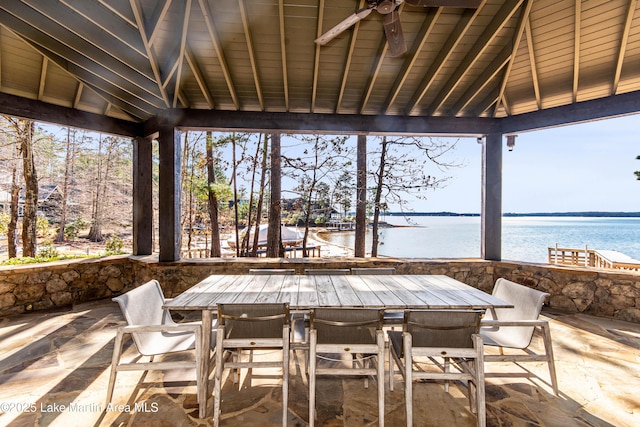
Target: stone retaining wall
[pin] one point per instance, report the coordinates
(600, 292)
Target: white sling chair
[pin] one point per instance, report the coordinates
(514, 328)
(154, 333)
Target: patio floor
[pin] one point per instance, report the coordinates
(54, 369)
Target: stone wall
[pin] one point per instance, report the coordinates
(600, 292)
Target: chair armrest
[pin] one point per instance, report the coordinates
(494, 323)
(159, 328)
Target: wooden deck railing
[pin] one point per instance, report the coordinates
(592, 258)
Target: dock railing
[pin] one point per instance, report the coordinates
(592, 258)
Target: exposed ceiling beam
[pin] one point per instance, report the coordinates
(283, 53)
(431, 17)
(622, 49)
(347, 62)
(348, 124)
(136, 107)
(64, 116)
(532, 63)
(139, 17)
(183, 49)
(158, 15)
(517, 39)
(576, 50)
(200, 80)
(482, 81)
(579, 112)
(78, 96)
(33, 26)
(316, 56)
(101, 17)
(215, 41)
(373, 74)
(480, 46)
(251, 52)
(445, 52)
(43, 77)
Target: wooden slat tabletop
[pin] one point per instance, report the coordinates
(393, 292)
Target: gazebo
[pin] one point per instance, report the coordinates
(146, 69)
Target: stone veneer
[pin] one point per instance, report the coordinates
(600, 292)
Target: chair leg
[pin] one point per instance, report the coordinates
(218, 376)
(391, 370)
(548, 350)
(285, 376)
(408, 379)
(380, 366)
(313, 340)
(117, 352)
(481, 409)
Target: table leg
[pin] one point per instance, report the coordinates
(205, 348)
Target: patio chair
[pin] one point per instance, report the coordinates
(354, 332)
(326, 271)
(250, 327)
(266, 271)
(447, 339)
(154, 333)
(514, 328)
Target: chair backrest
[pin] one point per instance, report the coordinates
(327, 271)
(142, 306)
(253, 320)
(375, 271)
(527, 304)
(346, 325)
(442, 328)
(266, 271)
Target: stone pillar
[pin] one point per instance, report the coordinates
(169, 193)
(142, 197)
(491, 223)
(361, 197)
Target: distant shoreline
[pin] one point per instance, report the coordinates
(594, 214)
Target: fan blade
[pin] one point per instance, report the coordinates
(348, 22)
(393, 31)
(469, 4)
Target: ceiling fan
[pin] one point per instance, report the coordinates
(391, 19)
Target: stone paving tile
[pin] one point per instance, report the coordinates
(56, 365)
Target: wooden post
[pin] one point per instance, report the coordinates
(361, 197)
(491, 224)
(142, 197)
(169, 193)
(274, 243)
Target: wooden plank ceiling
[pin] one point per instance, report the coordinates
(131, 59)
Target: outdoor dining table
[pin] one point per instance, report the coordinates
(391, 293)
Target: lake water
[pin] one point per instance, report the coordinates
(523, 238)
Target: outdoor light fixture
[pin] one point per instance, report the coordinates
(511, 142)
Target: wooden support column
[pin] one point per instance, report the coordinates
(169, 193)
(491, 224)
(142, 197)
(361, 197)
(274, 242)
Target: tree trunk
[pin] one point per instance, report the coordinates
(12, 227)
(95, 231)
(30, 214)
(378, 197)
(65, 189)
(235, 194)
(216, 250)
(245, 239)
(361, 197)
(274, 238)
(263, 177)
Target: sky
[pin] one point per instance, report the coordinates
(584, 167)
